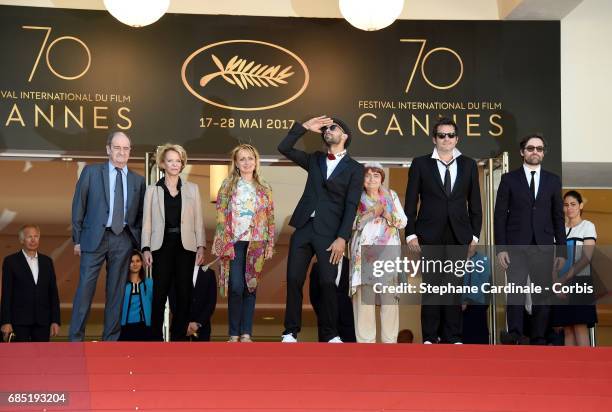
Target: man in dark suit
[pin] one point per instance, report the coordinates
(106, 226)
(346, 320)
(449, 219)
(203, 303)
(30, 301)
(528, 222)
(323, 220)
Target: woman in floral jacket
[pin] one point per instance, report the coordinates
(378, 222)
(244, 237)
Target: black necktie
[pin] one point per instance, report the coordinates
(447, 177)
(117, 221)
(532, 185)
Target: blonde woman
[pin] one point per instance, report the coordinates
(172, 239)
(244, 237)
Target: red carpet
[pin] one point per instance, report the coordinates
(308, 376)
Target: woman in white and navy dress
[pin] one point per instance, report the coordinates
(577, 312)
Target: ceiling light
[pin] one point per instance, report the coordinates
(137, 13)
(371, 15)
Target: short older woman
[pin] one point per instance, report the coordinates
(172, 239)
(244, 237)
(380, 217)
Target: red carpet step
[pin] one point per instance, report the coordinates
(307, 377)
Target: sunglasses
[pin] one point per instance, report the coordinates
(332, 128)
(539, 149)
(451, 135)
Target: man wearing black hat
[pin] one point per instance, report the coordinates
(323, 220)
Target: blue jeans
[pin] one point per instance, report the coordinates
(241, 302)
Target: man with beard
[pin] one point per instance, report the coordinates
(323, 220)
(528, 222)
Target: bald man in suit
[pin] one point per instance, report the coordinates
(106, 226)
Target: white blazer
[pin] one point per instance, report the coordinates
(153, 217)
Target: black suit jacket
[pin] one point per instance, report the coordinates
(462, 208)
(333, 200)
(203, 302)
(519, 219)
(23, 301)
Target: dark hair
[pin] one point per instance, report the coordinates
(111, 136)
(344, 127)
(405, 336)
(525, 139)
(574, 194)
(141, 274)
(373, 169)
(443, 121)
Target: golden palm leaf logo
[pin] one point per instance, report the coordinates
(239, 72)
(239, 77)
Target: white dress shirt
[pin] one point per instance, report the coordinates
(33, 264)
(452, 168)
(442, 170)
(331, 165)
(536, 177)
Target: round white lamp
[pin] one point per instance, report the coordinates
(371, 15)
(137, 13)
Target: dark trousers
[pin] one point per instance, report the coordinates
(537, 262)
(441, 318)
(204, 302)
(114, 250)
(475, 324)
(135, 332)
(346, 321)
(241, 302)
(304, 244)
(32, 333)
(172, 268)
